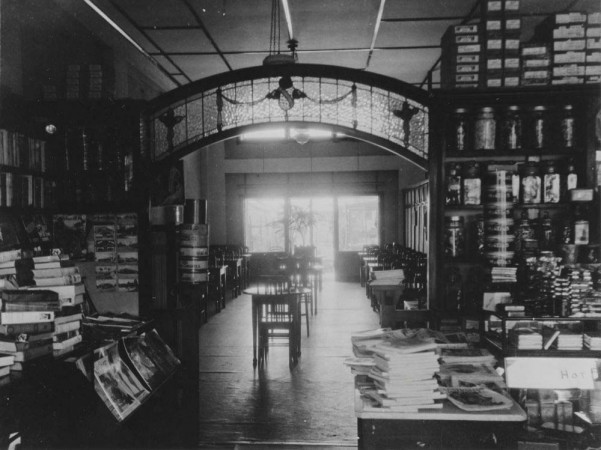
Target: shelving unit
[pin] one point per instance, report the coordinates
(498, 341)
(585, 102)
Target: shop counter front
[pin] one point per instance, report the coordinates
(445, 428)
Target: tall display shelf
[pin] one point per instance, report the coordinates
(98, 163)
(460, 276)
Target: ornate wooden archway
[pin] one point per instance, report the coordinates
(380, 110)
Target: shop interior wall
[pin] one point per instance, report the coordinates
(226, 172)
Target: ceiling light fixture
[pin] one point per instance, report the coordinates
(275, 57)
(299, 135)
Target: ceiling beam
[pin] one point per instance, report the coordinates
(135, 25)
(207, 34)
(324, 50)
(375, 35)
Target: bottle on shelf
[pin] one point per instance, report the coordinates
(511, 129)
(531, 184)
(566, 127)
(547, 238)
(551, 183)
(472, 184)
(570, 180)
(459, 131)
(454, 240)
(453, 186)
(485, 126)
(538, 128)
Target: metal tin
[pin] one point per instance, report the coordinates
(581, 232)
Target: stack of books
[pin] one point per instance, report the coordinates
(67, 330)
(404, 375)
(6, 361)
(466, 355)
(592, 340)
(504, 274)
(26, 324)
(526, 338)
(569, 340)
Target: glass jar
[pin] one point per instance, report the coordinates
(511, 129)
(472, 185)
(459, 130)
(485, 126)
(454, 236)
(546, 239)
(538, 127)
(566, 127)
(581, 232)
(531, 184)
(551, 184)
(523, 232)
(453, 186)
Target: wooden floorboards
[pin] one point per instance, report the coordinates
(307, 407)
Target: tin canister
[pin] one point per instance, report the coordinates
(194, 235)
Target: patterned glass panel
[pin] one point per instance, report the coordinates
(330, 101)
(180, 134)
(209, 112)
(160, 138)
(194, 118)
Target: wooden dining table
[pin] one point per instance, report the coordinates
(263, 296)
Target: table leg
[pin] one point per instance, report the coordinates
(255, 320)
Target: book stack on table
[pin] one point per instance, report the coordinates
(26, 325)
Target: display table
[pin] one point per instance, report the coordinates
(448, 427)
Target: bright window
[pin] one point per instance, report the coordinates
(358, 222)
(264, 225)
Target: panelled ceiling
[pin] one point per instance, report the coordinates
(193, 39)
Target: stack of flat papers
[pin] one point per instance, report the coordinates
(592, 340)
(569, 341)
(526, 339)
(404, 375)
(387, 277)
(466, 355)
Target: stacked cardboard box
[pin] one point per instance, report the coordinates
(566, 34)
(592, 71)
(501, 47)
(461, 57)
(536, 64)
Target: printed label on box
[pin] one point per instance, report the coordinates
(467, 59)
(569, 57)
(512, 63)
(568, 45)
(493, 25)
(467, 39)
(494, 44)
(535, 51)
(494, 64)
(467, 68)
(571, 32)
(541, 62)
(473, 48)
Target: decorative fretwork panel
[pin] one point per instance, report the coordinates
(357, 106)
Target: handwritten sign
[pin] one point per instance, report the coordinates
(551, 373)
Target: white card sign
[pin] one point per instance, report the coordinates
(551, 373)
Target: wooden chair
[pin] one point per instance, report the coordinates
(278, 325)
(295, 273)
